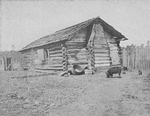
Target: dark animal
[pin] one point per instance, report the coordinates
(125, 68)
(139, 72)
(113, 70)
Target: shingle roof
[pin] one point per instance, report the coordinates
(67, 33)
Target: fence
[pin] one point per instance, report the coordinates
(136, 57)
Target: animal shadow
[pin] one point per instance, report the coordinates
(115, 77)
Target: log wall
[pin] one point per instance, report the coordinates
(76, 49)
(113, 49)
(54, 57)
(104, 51)
(101, 48)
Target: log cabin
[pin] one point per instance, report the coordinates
(92, 43)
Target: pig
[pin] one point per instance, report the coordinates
(113, 70)
(140, 72)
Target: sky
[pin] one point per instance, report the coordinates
(23, 22)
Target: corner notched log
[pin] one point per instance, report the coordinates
(65, 60)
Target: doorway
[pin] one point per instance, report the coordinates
(8, 64)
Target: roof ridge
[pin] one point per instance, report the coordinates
(74, 25)
(67, 33)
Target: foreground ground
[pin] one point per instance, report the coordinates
(84, 95)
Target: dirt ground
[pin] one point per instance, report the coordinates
(85, 95)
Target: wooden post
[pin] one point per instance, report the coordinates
(65, 60)
(91, 58)
(136, 58)
(148, 44)
(90, 46)
(32, 59)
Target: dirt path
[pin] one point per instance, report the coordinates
(76, 95)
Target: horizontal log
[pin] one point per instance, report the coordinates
(102, 61)
(56, 55)
(83, 58)
(99, 47)
(77, 62)
(102, 58)
(72, 54)
(99, 43)
(74, 49)
(115, 65)
(55, 52)
(82, 54)
(49, 50)
(75, 46)
(112, 50)
(101, 55)
(57, 61)
(99, 65)
(54, 65)
(102, 49)
(101, 52)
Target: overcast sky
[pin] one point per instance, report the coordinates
(25, 21)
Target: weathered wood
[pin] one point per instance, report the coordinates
(55, 52)
(101, 47)
(78, 61)
(102, 58)
(55, 65)
(72, 46)
(56, 55)
(77, 41)
(103, 61)
(72, 50)
(65, 60)
(56, 58)
(101, 55)
(100, 51)
(99, 65)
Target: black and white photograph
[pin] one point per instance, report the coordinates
(74, 58)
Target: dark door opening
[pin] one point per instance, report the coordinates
(8, 64)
